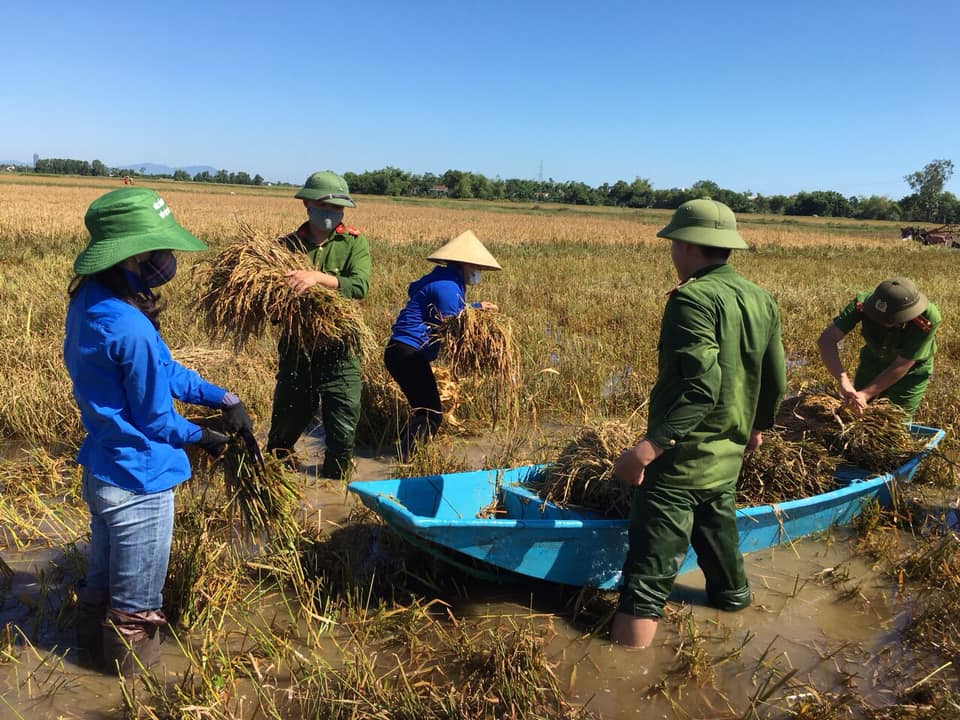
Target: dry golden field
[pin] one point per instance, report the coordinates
(583, 289)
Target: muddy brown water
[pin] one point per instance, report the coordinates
(817, 609)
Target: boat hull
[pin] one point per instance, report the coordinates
(572, 547)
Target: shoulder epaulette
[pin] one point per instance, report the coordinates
(921, 322)
(352, 230)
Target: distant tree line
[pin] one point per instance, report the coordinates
(927, 203)
(66, 166)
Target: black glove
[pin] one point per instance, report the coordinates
(213, 442)
(236, 419)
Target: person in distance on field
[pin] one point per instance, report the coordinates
(720, 380)
(899, 326)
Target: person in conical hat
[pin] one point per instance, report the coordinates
(439, 294)
(898, 325)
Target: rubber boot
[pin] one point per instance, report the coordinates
(91, 612)
(730, 600)
(131, 641)
(337, 468)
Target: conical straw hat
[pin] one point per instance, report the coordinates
(466, 248)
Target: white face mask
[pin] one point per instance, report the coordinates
(472, 277)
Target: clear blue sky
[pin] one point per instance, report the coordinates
(772, 97)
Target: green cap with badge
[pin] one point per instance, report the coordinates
(895, 301)
(127, 222)
(326, 186)
(704, 222)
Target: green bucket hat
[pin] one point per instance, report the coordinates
(327, 187)
(126, 222)
(704, 222)
(895, 301)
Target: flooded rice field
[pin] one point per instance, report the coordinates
(824, 622)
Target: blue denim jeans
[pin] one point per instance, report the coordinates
(130, 537)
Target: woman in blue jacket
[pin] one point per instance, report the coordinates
(412, 347)
(124, 383)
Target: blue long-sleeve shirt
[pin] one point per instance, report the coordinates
(437, 295)
(124, 382)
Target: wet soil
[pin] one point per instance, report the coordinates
(817, 609)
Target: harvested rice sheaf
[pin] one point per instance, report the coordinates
(582, 474)
(477, 345)
(815, 435)
(780, 470)
(877, 440)
(477, 342)
(243, 291)
(265, 499)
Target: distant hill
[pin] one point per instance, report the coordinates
(158, 169)
(148, 168)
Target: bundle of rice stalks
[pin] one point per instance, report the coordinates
(781, 470)
(478, 344)
(265, 498)
(935, 562)
(436, 457)
(810, 417)
(243, 291)
(582, 474)
(879, 439)
(876, 440)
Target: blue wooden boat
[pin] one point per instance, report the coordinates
(576, 547)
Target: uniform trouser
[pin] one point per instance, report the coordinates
(413, 373)
(664, 522)
(907, 392)
(328, 379)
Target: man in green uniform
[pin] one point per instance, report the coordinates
(329, 377)
(898, 326)
(721, 376)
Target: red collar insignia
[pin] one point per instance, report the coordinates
(921, 322)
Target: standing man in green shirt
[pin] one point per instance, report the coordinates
(721, 376)
(328, 377)
(898, 326)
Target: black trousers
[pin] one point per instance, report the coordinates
(413, 374)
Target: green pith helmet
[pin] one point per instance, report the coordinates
(127, 222)
(327, 187)
(704, 222)
(894, 301)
